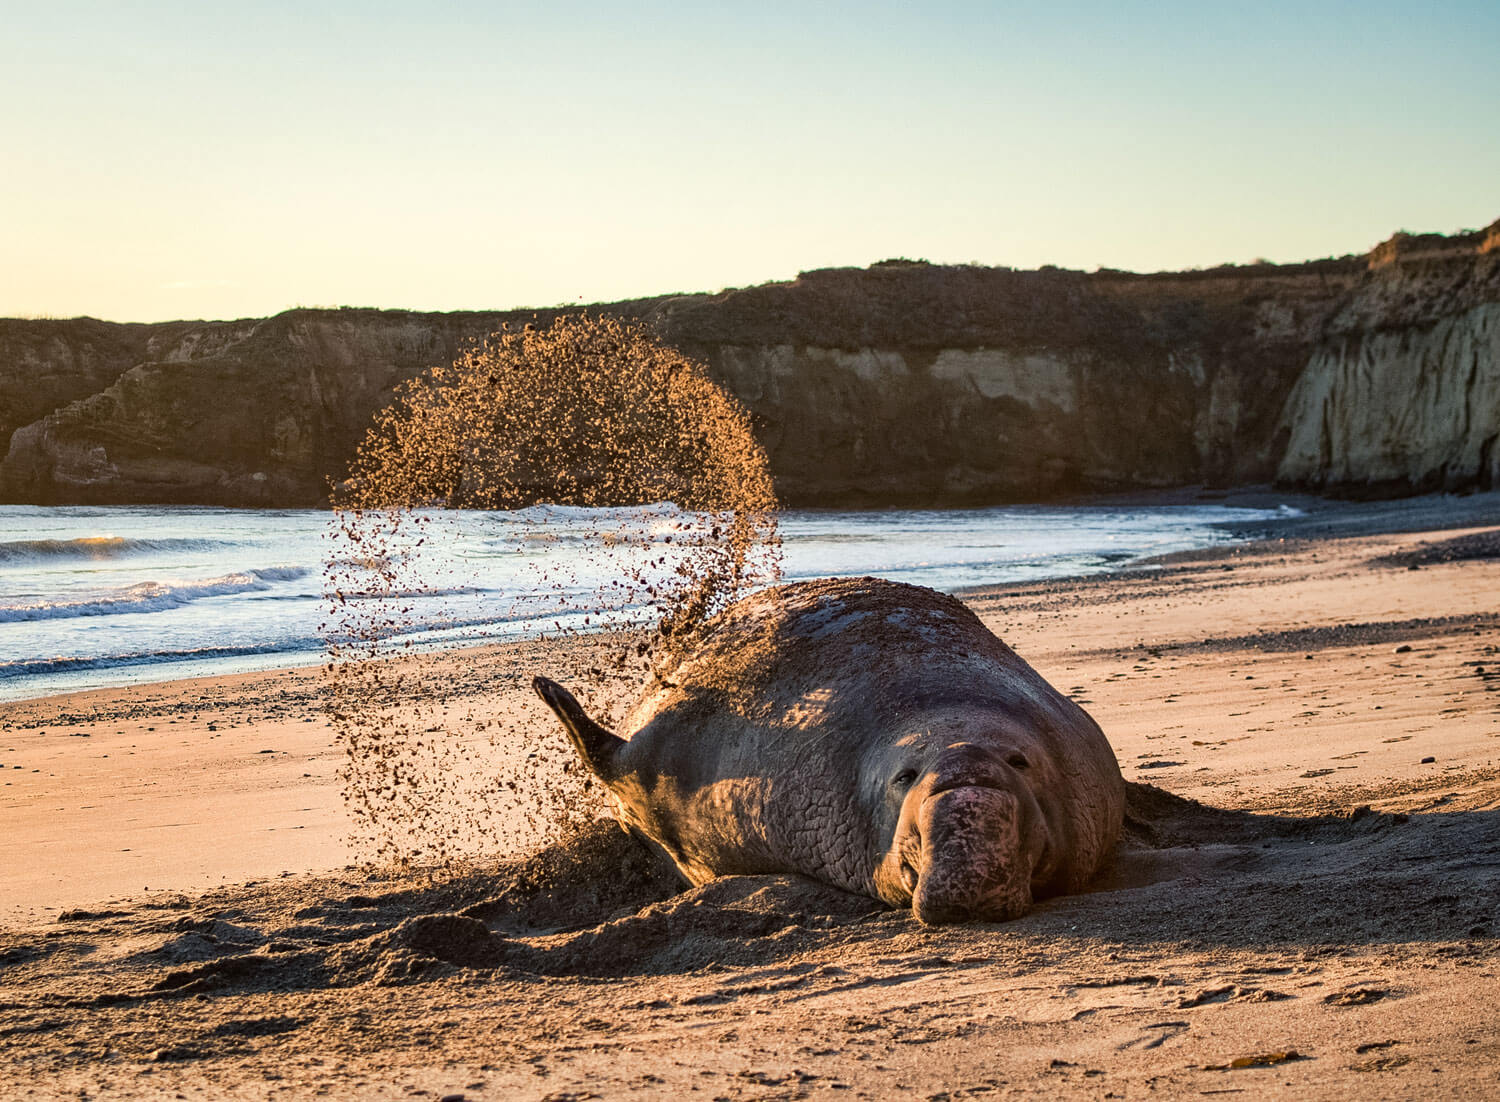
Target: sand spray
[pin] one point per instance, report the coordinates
(590, 431)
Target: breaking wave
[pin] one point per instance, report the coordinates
(151, 596)
(97, 547)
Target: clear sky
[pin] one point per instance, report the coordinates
(185, 160)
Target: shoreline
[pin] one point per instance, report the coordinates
(1314, 518)
(84, 658)
(1331, 697)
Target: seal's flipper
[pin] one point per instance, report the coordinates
(598, 748)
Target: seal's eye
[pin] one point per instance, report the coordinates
(904, 779)
(1018, 761)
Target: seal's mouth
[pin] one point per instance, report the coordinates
(909, 876)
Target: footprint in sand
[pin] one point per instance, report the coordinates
(1154, 1035)
(1357, 996)
(1232, 993)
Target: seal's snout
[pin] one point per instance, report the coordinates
(909, 877)
(973, 864)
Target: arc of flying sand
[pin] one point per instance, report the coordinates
(590, 413)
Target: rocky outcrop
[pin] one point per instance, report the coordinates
(1395, 411)
(1402, 393)
(904, 383)
(262, 414)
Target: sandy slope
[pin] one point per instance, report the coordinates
(1338, 951)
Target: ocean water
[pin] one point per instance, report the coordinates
(93, 597)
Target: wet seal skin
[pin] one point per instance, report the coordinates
(871, 735)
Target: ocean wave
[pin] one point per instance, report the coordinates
(98, 547)
(436, 633)
(548, 521)
(422, 637)
(34, 667)
(151, 596)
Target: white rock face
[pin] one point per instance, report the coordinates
(1416, 405)
(1036, 379)
(870, 364)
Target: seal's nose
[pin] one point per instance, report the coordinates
(973, 867)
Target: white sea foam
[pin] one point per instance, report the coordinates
(152, 596)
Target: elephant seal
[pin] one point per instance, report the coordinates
(869, 734)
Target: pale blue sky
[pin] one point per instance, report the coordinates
(167, 160)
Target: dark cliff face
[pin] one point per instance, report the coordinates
(261, 418)
(899, 384)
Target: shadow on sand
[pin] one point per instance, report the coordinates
(1186, 875)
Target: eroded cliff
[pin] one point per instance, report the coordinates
(1402, 393)
(904, 383)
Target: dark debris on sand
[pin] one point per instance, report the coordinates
(1466, 548)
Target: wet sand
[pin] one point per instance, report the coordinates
(178, 916)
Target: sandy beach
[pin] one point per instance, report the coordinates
(1307, 903)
